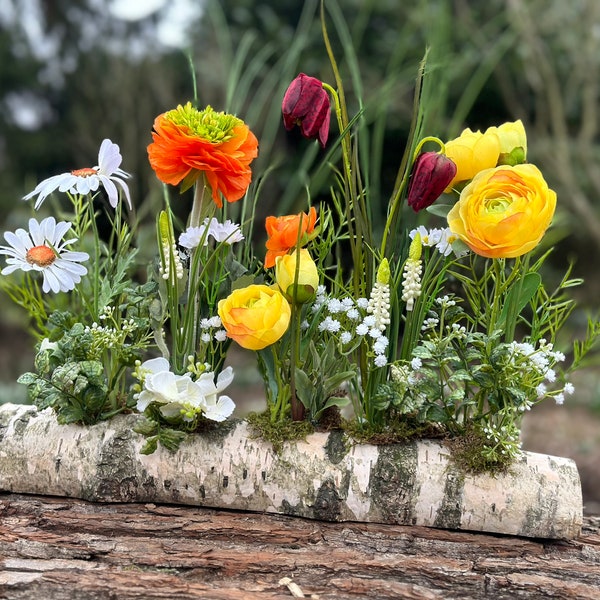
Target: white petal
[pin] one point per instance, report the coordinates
(155, 365)
(109, 157)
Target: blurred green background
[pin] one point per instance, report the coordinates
(73, 72)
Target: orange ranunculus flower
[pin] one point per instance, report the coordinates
(504, 212)
(255, 316)
(188, 142)
(283, 234)
(472, 152)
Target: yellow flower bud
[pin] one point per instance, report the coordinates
(308, 276)
(416, 247)
(383, 273)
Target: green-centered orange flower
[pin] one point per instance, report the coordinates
(188, 143)
(284, 233)
(504, 212)
(255, 316)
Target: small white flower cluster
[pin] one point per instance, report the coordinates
(227, 232)
(440, 239)
(105, 336)
(220, 335)
(348, 318)
(182, 396)
(541, 360)
(505, 439)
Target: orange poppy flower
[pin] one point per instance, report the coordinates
(283, 234)
(188, 142)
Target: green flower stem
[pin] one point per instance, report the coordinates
(96, 265)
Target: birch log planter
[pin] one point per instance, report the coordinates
(324, 477)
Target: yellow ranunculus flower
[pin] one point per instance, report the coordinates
(255, 316)
(308, 276)
(513, 142)
(504, 211)
(472, 152)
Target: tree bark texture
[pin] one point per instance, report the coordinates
(324, 478)
(63, 548)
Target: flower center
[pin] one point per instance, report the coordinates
(87, 172)
(215, 127)
(42, 256)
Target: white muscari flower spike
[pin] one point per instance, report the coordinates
(411, 278)
(379, 300)
(83, 181)
(42, 249)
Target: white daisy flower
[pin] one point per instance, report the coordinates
(42, 248)
(83, 181)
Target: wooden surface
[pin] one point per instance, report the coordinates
(60, 548)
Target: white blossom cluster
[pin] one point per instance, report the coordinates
(541, 360)
(209, 324)
(349, 319)
(105, 336)
(504, 440)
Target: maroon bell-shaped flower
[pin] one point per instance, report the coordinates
(432, 172)
(307, 104)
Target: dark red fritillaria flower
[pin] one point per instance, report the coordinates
(307, 104)
(432, 172)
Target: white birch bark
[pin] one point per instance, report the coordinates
(324, 477)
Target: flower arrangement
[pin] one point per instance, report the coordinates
(406, 331)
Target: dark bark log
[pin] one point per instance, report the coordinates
(61, 548)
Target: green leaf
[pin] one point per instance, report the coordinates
(304, 388)
(28, 378)
(519, 295)
(150, 446)
(439, 210)
(171, 439)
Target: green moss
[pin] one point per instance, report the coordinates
(470, 454)
(393, 432)
(279, 432)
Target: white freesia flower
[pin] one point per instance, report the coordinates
(178, 394)
(215, 407)
(42, 248)
(165, 387)
(83, 181)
